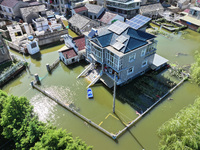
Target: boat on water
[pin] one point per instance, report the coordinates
(89, 93)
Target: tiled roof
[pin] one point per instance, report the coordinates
(133, 44)
(79, 21)
(80, 9)
(151, 8)
(105, 39)
(140, 35)
(69, 53)
(9, 3)
(80, 42)
(135, 39)
(93, 8)
(107, 16)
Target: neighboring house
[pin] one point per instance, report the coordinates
(60, 6)
(183, 4)
(15, 32)
(126, 8)
(79, 24)
(4, 53)
(42, 24)
(108, 17)
(192, 20)
(32, 12)
(94, 11)
(198, 3)
(10, 9)
(152, 10)
(122, 49)
(81, 10)
(75, 50)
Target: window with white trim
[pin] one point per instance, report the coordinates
(144, 63)
(130, 70)
(132, 57)
(143, 52)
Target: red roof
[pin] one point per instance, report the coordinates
(9, 3)
(80, 42)
(69, 53)
(79, 9)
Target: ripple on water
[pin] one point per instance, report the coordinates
(45, 107)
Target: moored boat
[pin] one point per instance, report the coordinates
(89, 93)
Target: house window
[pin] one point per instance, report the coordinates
(9, 10)
(132, 57)
(130, 70)
(2, 51)
(143, 52)
(144, 63)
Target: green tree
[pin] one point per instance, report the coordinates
(20, 126)
(195, 69)
(183, 131)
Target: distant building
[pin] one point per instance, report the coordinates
(10, 9)
(94, 11)
(125, 8)
(198, 3)
(60, 6)
(81, 10)
(79, 24)
(34, 11)
(108, 17)
(74, 50)
(4, 53)
(192, 20)
(42, 24)
(152, 10)
(90, 10)
(122, 49)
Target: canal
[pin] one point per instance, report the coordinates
(62, 84)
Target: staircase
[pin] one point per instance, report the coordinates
(85, 71)
(95, 80)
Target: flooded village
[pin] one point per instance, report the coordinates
(116, 69)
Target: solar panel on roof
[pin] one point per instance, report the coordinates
(118, 45)
(121, 39)
(118, 27)
(138, 21)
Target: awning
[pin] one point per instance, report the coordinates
(158, 61)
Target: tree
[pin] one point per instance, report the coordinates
(195, 69)
(21, 126)
(183, 131)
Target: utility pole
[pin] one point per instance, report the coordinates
(114, 93)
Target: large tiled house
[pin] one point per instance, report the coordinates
(122, 49)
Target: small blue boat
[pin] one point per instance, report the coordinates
(89, 93)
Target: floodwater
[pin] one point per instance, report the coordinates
(62, 84)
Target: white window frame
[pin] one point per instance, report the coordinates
(132, 57)
(143, 52)
(128, 73)
(143, 65)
